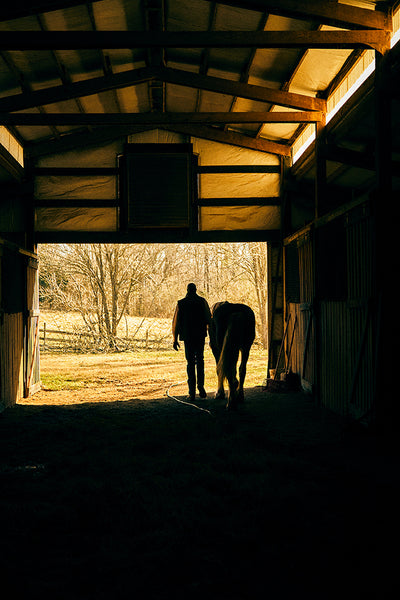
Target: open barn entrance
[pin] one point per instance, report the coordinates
(106, 314)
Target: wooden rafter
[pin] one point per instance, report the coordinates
(327, 13)
(87, 87)
(244, 90)
(232, 138)
(177, 76)
(84, 40)
(205, 118)
(110, 133)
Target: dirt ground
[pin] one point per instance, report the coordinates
(120, 491)
(80, 378)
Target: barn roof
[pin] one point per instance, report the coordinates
(256, 74)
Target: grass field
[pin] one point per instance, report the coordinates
(99, 376)
(69, 378)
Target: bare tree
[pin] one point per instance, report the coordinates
(106, 282)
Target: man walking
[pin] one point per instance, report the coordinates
(191, 319)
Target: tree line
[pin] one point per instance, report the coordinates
(106, 282)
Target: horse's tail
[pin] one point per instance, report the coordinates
(226, 367)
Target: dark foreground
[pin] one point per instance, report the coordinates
(120, 500)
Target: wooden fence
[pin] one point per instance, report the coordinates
(55, 340)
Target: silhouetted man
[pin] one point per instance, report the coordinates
(191, 320)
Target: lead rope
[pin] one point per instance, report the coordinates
(182, 401)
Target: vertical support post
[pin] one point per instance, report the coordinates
(385, 253)
(320, 166)
(320, 203)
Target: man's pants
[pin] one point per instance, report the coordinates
(194, 353)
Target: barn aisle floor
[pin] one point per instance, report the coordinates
(158, 499)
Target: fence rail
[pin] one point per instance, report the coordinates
(57, 340)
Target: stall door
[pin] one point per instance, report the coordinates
(32, 370)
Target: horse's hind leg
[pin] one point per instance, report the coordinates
(233, 394)
(220, 393)
(242, 373)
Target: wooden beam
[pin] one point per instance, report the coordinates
(87, 40)
(215, 169)
(24, 8)
(12, 166)
(157, 118)
(361, 160)
(327, 13)
(107, 134)
(156, 236)
(219, 85)
(61, 93)
(81, 139)
(267, 201)
(232, 138)
(243, 90)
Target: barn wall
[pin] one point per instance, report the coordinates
(329, 312)
(19, 316)
(69, 201)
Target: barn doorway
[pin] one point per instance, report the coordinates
(106, 312)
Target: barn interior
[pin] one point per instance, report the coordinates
(266, 121)
(210, 121)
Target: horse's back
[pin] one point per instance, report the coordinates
(240, 316)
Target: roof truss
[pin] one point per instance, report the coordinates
(83, 40)
(96, 85)
(327, 13)
(332, 13)
(161, 118)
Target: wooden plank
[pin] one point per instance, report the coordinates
(220, 85)
(234, 139)
(239, 169)
(87, 87)
(266, 201)
(106, 134)
(242, 90)
(157, 236)
(328, 13)
(152, 118)
(93, 40)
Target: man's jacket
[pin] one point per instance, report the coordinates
(191, 318)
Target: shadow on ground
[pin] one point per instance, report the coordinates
(161, 500)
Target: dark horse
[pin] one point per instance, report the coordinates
(232, 330)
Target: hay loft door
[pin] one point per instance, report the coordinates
(157, 186)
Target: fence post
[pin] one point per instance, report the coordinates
(44, 336)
